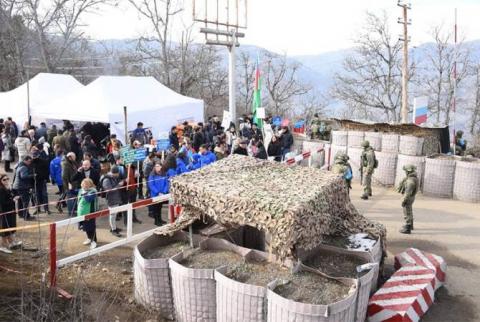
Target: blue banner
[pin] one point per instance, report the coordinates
(163, 144)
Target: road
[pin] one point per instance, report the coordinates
(444, 227)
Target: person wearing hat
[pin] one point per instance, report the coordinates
(408, 188)
(41, 170)
(342, 167)
(368, 163)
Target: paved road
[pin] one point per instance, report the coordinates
(445, 227)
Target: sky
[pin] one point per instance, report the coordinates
(306, 27)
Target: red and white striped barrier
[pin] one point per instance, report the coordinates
(302, 156)
(413, 256)
(405, 297)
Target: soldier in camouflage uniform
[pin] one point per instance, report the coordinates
(408, 187)
(315, 127)
(460, 143)
(368, 163)
(342, 167)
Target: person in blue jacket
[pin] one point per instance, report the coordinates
(56, 171)
(206, 156)
(182, 162)
(158, 183)
(195, 164)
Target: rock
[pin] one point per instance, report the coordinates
(105, 270)
(131, 300)
(125, 271)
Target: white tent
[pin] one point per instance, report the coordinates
(43, 88)
(147, 101)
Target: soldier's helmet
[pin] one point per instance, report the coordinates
(345, 157)
(339, 155)
(365, 144)
(409, 168)
(459, 133)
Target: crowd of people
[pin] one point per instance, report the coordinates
(86, 164)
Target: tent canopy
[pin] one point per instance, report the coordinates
(146, 99)
(44, 88)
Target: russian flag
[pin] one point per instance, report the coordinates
(420, 110)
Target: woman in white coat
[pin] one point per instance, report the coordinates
(23, 145)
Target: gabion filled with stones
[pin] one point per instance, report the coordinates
(295, 205)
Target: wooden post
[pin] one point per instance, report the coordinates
(53, 255)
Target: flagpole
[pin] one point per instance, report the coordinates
(455, 85)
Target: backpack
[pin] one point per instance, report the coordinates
(101, 191)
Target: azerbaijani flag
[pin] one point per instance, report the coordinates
(420, 110)
(257, 96)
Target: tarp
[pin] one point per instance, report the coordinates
(146, 99)
(44, 88)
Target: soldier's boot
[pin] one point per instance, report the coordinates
(406, 229)
(364, 196)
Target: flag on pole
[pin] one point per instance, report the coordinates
(257, 96)
(420, 110)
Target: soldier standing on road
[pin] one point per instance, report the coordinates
(368, 163)
(343, 168)
(408, 187)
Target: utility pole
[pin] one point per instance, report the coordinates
(454, 100)
(405, 22)
(232, 102)
(222, 21)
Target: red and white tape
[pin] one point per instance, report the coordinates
(405, 297)
(413, 256)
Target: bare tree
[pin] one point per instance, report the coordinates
(474, 123)
(372, 74)
(159, 13)
(57, 26)
(437, 73)
(246, 77)
(310, 104)
(13, 44)
(282, 83)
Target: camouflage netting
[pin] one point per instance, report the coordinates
(294, 205)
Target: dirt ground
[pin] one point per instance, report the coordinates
(444, 227)
(103, 284)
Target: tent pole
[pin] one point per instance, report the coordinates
(29, 117)
(125, 123)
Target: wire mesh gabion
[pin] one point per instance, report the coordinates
(385, 172)
(355, 138)
(411, 145)
(390, 142)
(439, 177)
(375, 139)
(467, 181)
(339, 138)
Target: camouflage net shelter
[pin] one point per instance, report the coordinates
(296, 206)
